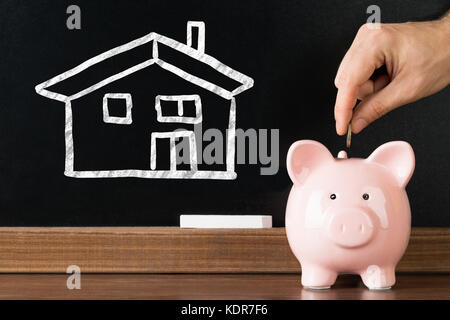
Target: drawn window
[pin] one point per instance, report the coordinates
(124, 101)
(179, 108)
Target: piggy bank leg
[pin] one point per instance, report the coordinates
(378, 278)
(317, 277)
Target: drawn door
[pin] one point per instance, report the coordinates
(172, 136)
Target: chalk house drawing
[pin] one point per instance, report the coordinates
(155, 40)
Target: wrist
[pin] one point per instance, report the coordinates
(443, 25)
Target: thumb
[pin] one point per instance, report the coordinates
(377, 105)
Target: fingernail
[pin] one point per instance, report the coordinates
(358, 125)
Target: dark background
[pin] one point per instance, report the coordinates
(291, 49)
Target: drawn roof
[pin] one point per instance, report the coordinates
(244, 82)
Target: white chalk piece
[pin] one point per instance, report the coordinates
(225, 221)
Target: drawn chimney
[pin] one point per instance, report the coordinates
(199, 27)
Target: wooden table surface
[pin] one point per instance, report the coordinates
(213, 286)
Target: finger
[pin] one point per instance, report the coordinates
(367, 88)
(376, 105)
(356, 68)
(345, 100)
(373, 85)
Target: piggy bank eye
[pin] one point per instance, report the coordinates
(332, 196)
(365, 196)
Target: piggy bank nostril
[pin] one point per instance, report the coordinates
(342, 228)
(361, 228)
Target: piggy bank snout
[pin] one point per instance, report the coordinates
(350, 228)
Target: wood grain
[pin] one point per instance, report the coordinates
(175, 250)
(215, 286)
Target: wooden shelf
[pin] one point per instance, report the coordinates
(175, 250)
(217, 286)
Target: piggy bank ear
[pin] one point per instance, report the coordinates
(303, 157)
(398, 158)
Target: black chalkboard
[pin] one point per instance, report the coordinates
(273, 62)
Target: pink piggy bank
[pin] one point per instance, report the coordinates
(348, 215)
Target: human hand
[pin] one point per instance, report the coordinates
(389, 67)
